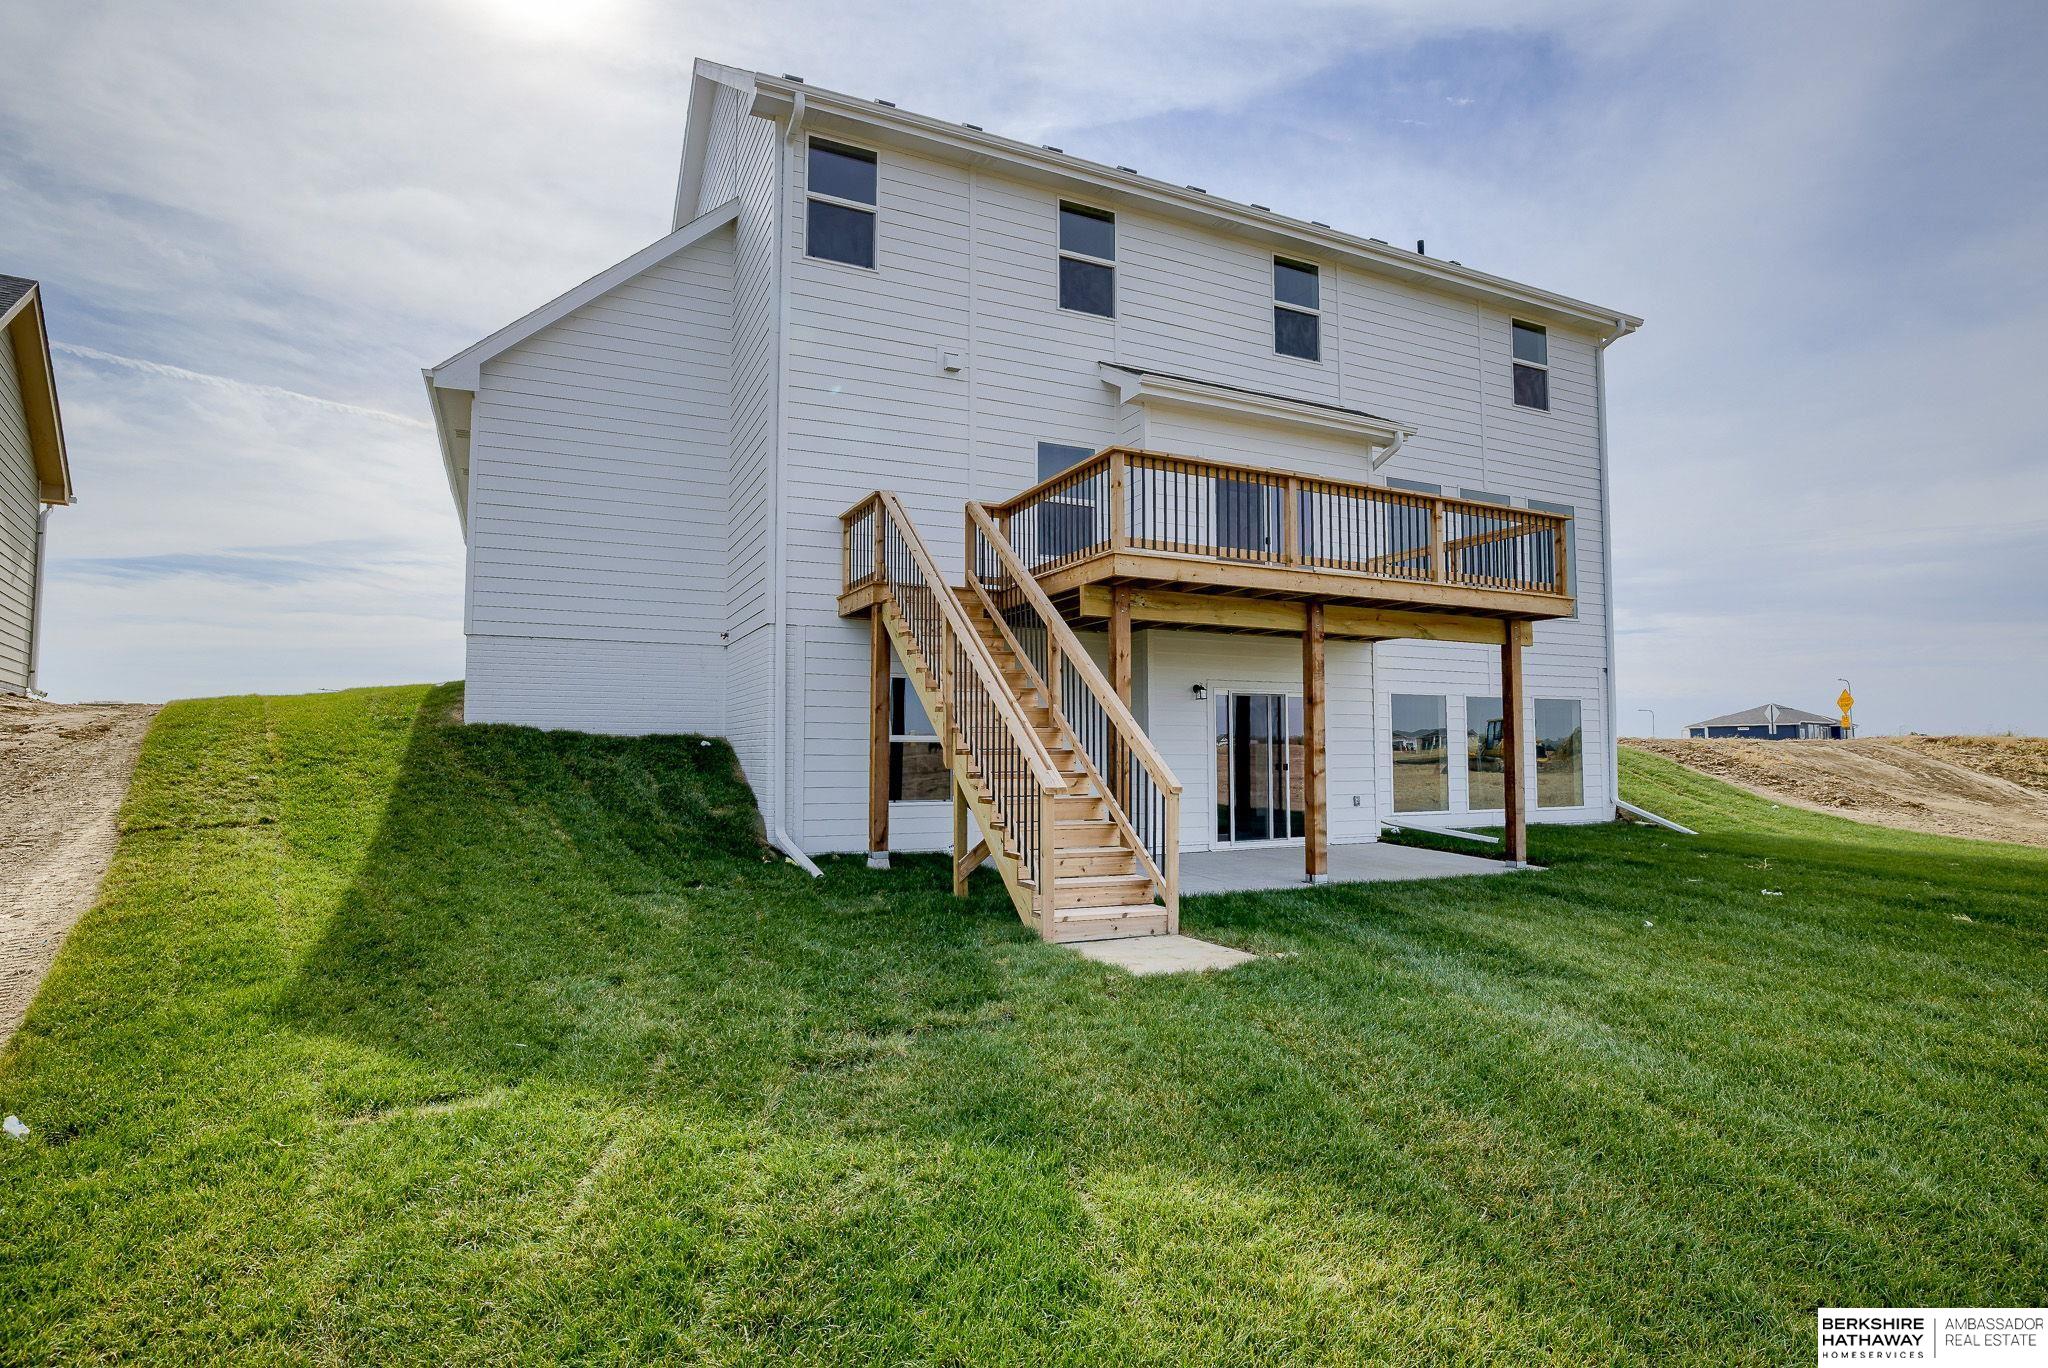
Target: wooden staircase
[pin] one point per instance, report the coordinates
(1075, 865)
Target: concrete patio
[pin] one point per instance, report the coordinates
(1280, 866)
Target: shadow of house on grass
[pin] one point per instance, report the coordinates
(602, 913)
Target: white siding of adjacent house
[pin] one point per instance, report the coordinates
(967, 261)
(599, 509)
(19, 507)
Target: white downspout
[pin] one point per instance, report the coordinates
(779, 677)
(35, 602)
(1607, 562)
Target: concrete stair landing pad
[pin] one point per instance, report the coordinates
(1143, 955)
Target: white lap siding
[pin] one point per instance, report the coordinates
(967, 261)
(599, 509)
(18, 517)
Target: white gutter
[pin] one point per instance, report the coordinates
(778, 525)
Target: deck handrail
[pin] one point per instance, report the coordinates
(978, 709)
(1145, 804)
(1126, 498)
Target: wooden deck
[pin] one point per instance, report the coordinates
(1129, 539)
(1213, 545)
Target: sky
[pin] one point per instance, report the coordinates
(256, 222)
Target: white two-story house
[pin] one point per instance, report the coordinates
(991, 499)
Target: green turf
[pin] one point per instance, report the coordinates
(394, 1040)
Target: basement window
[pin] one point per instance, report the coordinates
(1087, 260)
(1532, 366)
(1485, 759)
(1422, 762)
(839, 218)
(917, 762)
(1297, 309)
(1560, 759)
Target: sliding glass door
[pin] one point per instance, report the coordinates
(1260, 768)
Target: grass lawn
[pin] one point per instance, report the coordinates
(390, 1039)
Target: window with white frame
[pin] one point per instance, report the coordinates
(1070, 520)
(839, 215)
(1560, 754)
(1297, 309)
(1532, 365)
(1421, 760)
(917, 762)
(1087, 260)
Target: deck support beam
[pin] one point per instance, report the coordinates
(878, 740)
(1515, 839)
(1314, 739)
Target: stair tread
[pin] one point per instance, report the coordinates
(1085, 914)
(1100, 880)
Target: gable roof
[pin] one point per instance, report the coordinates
(1755, 717)
(800, 105)
(451, 386)
(27, 334)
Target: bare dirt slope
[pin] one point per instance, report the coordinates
(63, 771)
(1991, 787)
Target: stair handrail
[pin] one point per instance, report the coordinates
(1165, 869)
(1028, 741)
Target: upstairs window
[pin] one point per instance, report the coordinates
(1297, 309)
(840, 213)
(1087, 260)
(1532, 366)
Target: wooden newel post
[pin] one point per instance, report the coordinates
(1119, 501)
(1515, 839)
(878, 740)
(1314, 738)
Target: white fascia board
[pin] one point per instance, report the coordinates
(705, 79)
(461, 371)
(13, 310)
(1139, 388)
(850, 116)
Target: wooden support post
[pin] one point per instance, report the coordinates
(961, 865)
(1515, 840)
(1438, 571)
(1120, 680)
(1315, 740)
(878, 740)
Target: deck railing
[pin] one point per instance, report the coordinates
(1121, 499)
(978, 711)
(1143, 792)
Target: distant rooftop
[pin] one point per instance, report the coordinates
(1756, 717)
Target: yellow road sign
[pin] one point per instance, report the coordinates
(1846, 702)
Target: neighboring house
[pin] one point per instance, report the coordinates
(1271, 504)
(1772, 722)
(34, 476)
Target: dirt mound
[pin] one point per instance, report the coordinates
(63, 771)
(1991, 787)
